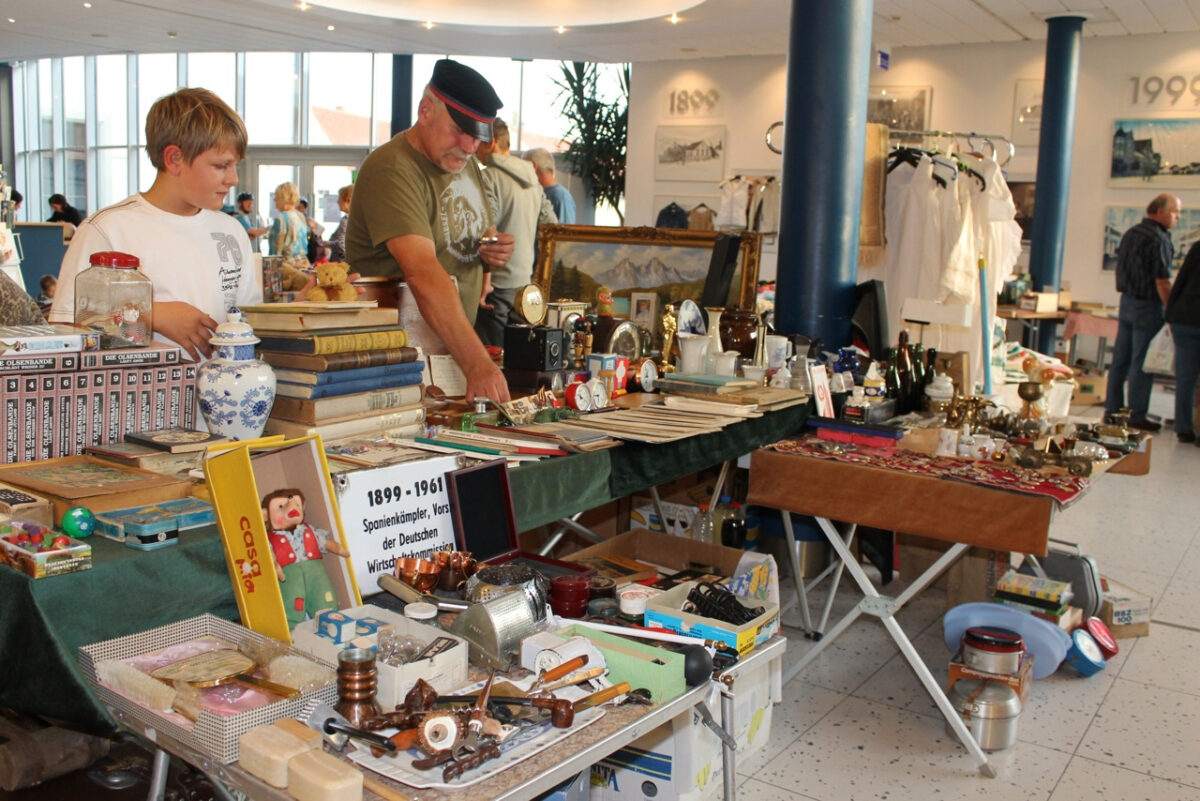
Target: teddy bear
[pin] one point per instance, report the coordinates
(333, 283)
(294, 279)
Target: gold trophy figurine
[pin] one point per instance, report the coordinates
(669, 326)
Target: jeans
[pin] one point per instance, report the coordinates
(1187, 368)
(490, 323)
(1139, 320)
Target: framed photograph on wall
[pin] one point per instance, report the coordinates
(1156, 153)
(901, 108)
(689, 153)
(1027, 112)
(1119, 219)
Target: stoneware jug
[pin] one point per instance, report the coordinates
(236, 390)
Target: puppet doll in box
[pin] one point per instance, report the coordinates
(298, 547)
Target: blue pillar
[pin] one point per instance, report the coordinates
(1059, 93)
(829, 62)
(402, 92)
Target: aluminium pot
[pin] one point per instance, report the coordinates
(990, 710)
(993, 650)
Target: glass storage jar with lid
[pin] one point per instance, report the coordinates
(116, 299)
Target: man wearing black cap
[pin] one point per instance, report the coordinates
(249, 220)
(420, 212)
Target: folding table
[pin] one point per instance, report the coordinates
(957, 512)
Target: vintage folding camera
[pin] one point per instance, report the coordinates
(534, 347)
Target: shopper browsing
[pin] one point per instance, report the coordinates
(198, 258)
(250, 219)
(421, 213)
(518, 206)
(1144, 281)
(560, 198)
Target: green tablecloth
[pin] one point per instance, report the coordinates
(44, 621)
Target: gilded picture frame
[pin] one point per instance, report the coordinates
(574, 260)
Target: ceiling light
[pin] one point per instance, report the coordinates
(673, 19)
(10, 19)
(561, 29)
(571, 14)
(303, 5)
(428, 25)
(331, 27)
(87, 5)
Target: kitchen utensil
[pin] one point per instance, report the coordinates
(992, 650)
(223, 666)
(990, 710)
(1046, 641)
(420, 574)
(599, 697)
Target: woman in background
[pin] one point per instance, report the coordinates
(64, 211)
(289, 233)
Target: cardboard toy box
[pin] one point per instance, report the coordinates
(1124, 610)
(754, 575)
(41, 564)
(1038, 302)
(682, 760)
(1021, 681)
(446, 671)
(666, 612)
(238, 480)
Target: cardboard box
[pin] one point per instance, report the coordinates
(642, 664)
(1038, 302)
(22, 505)
(1091, 389)
(678, 523)
(446, 671)
(1135, 463)
(1124, 610)
(666, 612)
(41, 564)
(238, 480)
(754, 575)
(1021, 681)
(682, 760)
(972, 578)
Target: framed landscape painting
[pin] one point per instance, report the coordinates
(575, 260)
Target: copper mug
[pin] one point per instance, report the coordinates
(420, 574)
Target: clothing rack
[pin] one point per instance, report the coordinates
(970, 136)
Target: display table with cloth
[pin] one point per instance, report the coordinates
(860, 493)
(44, 621)
(1102, 327)
(1031, 321)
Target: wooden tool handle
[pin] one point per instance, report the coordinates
(384, 790)
(597, 698)
(564, 669)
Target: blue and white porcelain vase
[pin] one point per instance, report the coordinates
(236, 389)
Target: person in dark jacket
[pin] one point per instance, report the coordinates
(64, 211)
(1183, 314)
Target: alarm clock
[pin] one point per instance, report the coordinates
(599, 392)
(578, 396)
(643, 376)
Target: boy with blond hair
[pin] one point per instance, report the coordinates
(199, 259)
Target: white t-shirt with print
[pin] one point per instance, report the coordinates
(205, 260)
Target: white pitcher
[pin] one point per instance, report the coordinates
(778, 350)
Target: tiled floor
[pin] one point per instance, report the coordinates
(856, 724)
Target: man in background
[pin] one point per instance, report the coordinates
(560, 199)
(421, 213)
(518, 207)
(1144, 281)
(249, 219)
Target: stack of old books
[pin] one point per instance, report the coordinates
(1046, 598)
(342, 369)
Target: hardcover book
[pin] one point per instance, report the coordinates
(341, 376)
(289, 390)
(324, 409)
(154, 353)
(335, 362)
(337, 340)
(56, 337)
(175, 440)
(303, 316)
(373, 423)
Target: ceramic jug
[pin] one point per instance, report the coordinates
(739, 331)
(236, 390)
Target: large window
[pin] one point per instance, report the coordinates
(91, 147)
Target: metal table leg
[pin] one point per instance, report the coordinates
(885, 609)
(158, 778)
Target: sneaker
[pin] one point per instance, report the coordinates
(1185, 436)
(1145, 425)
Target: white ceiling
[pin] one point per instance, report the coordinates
(43, 28)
